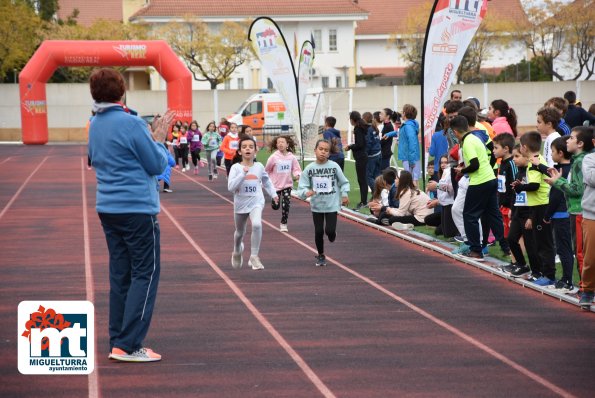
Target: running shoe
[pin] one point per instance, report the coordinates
(485, 251)
(519, 271)
(210, 177)
(534, 277)
(462, 249)
(544, 281)
(360, 206)
(471, 255)
(402, 227)
(586, 300)
(167, 190)
(236, 258)
(283, 228)
(141, 355)
(320, 260)
(255, 263)
(508, 268)
(459, 239)
(563, 286)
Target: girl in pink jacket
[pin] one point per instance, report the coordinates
(283, 168)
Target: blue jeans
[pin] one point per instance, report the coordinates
(372, 170)
(134, 268)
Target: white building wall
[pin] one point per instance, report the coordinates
(378, 53)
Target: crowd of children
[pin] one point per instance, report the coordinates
(486, 186)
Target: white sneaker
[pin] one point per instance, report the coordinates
(402, 227)
(255, 263)
(236, 258)
(283, 228)
(167, 190)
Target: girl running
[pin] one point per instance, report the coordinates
(325, 184)
(194, 137)
(211, 141)
(229, 146)
(246, 181)
(281, 166)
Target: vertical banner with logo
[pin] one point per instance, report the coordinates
(271, 48)
(305, 63)
(450, 29)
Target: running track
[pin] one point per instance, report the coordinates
(385, 318)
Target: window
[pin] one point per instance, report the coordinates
(317, 35)
(324, 81)
(332, 39)
(253, 108)
(269, 84)
(338, 82)
(240, 83)
(227, 84)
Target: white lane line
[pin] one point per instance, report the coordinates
(521, 369)
(319, 384)
(16, 195)
(6, 160)
(93, 379)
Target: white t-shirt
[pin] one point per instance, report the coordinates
(547, 148)
(247, 187)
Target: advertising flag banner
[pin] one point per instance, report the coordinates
(304, 71)
(452, 26)
(274, 55)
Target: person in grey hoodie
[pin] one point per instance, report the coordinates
(127, 159)
(588, 204)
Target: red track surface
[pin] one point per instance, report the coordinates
(385, 318)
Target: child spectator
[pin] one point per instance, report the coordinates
(412, 208)
(211, 141)
(547, 121)
(438, 148)
(543, 270)
(194, 137)
(504, 119)
(327, 187)
(445, 191)
(588, 206)
(575, 115)
(557, 215)
(283, 168)
(409, 151)
(481, 196)
(507, 173)
(386, 145)
(373, 150)
(246, 181)
(389, 176)
(229, 146)
(579, 145)
(560, 105)
(360, 155)
(333, 135)
(521, 212)
(379, 198)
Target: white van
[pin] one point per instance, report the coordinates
(262, 110)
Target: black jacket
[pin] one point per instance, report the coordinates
(385, 145)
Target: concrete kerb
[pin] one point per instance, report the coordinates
(492, 265)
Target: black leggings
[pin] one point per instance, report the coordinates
(320, 229)
(195, 157)
(361, 169)
(285, 198)
(184, 154)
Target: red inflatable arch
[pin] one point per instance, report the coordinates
(53, 54)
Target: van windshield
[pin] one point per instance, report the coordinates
(241, 108)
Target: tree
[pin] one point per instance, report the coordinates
(210, 56)
(46, 9)
(524, 71)
(544, 35)
(579, 19)
(19, 35)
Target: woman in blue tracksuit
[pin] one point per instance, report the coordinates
(127, 158)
